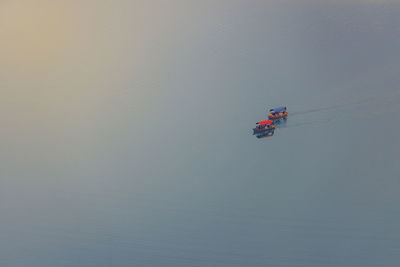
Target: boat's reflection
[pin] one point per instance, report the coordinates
(265, 134)
(280, 123)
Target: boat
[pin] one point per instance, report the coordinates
(264, 126)
(278, 113)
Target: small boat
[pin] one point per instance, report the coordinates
(278, 113)
(264, 126)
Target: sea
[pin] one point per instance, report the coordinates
(126, 133)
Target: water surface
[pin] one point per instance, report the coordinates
(126, 133)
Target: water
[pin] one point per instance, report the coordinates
(127, 139)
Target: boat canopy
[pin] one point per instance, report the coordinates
(278, 109)
(265, 122)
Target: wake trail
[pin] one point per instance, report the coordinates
(333, 107)
(295, 113)
(313, 122)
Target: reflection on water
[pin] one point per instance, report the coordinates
(282, 123)
(265, 134)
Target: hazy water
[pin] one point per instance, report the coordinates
(134, 146)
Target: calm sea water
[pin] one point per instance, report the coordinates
(152, 161)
